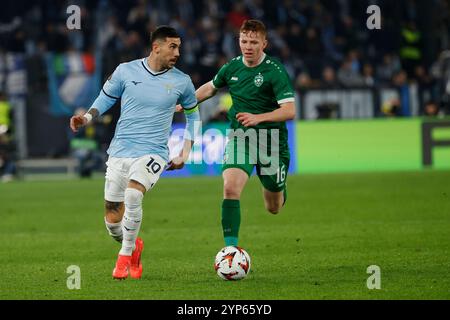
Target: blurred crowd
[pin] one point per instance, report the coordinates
(7, 161)
(322, 43)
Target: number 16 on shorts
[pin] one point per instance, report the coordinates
(281, 174)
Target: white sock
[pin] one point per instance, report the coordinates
(114, 230)
(131, 222)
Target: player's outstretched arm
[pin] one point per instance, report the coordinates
(285, 112)
(108, 96)
(205, 92)
(80, 120)
(190, 132)
(178, 162)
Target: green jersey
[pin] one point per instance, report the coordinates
(255, 90)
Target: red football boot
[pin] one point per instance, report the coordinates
(136, 264)
(120, 271)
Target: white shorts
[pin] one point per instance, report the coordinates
(119, 171)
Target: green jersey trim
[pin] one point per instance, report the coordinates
(192, 110)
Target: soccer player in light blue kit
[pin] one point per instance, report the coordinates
(149, 90)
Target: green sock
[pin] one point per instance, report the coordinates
(231, 220)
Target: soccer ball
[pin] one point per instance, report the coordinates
(232, 263)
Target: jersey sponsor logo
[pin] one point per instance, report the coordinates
(259, 80)
(234, 79)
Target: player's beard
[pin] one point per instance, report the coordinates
(171, 63)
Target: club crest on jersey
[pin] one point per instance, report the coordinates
(169, 88)
(259, 79)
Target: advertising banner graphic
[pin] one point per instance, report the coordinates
(206, 157)
(73, 81)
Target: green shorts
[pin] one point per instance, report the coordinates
(271, 170)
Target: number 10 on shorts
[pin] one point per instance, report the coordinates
(153, 166)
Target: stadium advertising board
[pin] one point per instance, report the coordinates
(335, 146)
(372, 145)
(207, 154)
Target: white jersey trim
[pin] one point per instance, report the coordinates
(212, 83)
(260, 61)
(286, 100)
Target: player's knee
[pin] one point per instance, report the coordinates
(273, 208)
(133, 198)
(230, 191)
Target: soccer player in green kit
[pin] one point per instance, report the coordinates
(263, 98)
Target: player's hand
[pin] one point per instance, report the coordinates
(178, 108)
(176, 163)
(248, 119)
(77, 122)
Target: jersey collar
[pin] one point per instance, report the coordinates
(260, 60)
(153, 73)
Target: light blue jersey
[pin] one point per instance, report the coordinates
(147, 107)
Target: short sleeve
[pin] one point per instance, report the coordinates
(187, 98)
(113, 87)
(282, 87)
(220, 79)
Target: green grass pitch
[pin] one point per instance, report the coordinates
(319, 247)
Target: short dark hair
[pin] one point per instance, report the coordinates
(163, 32)
(253, 26)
